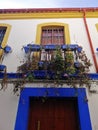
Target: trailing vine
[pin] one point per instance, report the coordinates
(71, 68)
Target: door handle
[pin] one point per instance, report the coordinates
(38, 125)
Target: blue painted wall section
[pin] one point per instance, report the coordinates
(23, 107)
(84, 115)
(93, 76)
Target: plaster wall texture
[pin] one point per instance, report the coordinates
(24, 32)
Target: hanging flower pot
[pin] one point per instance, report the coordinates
(7, 49)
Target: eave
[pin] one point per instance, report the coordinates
(43, 13)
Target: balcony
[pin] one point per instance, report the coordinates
(66, 64)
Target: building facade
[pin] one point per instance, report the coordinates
(60, 26)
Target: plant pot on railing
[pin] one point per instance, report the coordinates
(26, 49)
(50, 47)
(79, 49)
(69, 47)
(39, 74)
(32, 47)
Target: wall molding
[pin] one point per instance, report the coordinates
(66, 31)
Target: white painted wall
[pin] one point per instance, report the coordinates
(8, 109)
(94, 34)
(24, 32)
(9, 106)
(93, 108)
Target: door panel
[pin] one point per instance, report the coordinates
(53, 114)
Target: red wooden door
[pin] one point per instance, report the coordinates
(53, 114)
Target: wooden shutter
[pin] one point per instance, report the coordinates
(52, 35)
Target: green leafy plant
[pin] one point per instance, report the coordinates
(58, 63)
(69, 58)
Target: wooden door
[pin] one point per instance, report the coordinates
(53, 114)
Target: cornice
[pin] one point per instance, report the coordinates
(39, 10)
(43, 13)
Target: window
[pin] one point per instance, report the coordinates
(52, 35)
(2, 33)
(45, 26)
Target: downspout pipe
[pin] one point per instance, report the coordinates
(90, 42)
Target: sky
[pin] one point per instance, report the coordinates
(14, 4)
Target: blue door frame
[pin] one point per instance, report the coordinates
(23, 107)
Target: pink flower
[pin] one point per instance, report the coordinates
(65, 75)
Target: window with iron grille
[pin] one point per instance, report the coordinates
(52, 35)
(2, 33)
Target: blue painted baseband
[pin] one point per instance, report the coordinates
(93, 76)
(80, 94)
